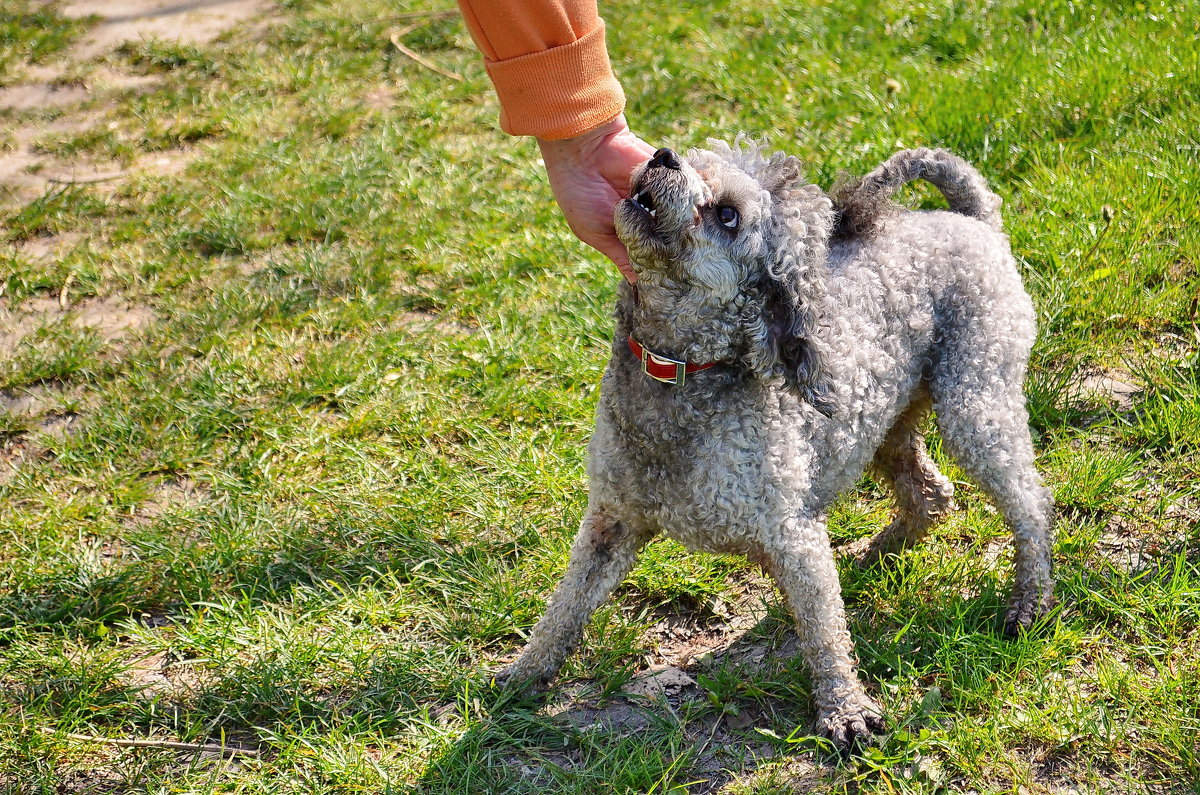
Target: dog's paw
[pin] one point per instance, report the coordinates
(519, 679)
(1025, 608)
(851, 725)
(888, 543)
(867, 553)
(858, 551)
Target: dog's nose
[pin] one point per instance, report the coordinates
(667, 158)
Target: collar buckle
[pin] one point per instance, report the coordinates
(663, 369)
(653, 359)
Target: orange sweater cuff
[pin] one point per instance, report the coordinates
(558, 93)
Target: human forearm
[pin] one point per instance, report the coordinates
(549, 63)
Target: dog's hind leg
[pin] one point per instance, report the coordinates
(605, 550)
(801, 562)
(923, 494)
(985, 427)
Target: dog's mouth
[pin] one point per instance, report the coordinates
(652, 218)
(645, 202)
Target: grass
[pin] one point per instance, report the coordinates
(30, 33)
(311, 506)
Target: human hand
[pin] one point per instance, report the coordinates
(589, 174)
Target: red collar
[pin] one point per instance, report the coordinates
(661, 368)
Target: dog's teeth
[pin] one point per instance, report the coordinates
(654, 213)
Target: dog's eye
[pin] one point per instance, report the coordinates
(728, 216)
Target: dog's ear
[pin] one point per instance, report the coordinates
(794, 284)
(781, 173)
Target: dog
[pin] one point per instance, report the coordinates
(780, 341)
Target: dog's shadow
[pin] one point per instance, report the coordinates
(656, 729)
(717, 706)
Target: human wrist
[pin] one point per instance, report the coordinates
(585, 142)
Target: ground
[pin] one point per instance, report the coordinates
(297, 366)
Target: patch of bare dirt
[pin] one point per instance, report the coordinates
(34, 410)
(159, 675)
(1111, 386)
(37, 400)
(1122, 544)
(728, 750)
(683, 640)
(380, 98)
(51, 247)
(107, 79)
(171, 496)
(60, 426)
(26, 172)
(789, 774)
(167, 163)
(17, 323)
(420, 321)
(659, 681)
(39, 96)
(52, 409)
(994, 553)
(183, 21)
(726, 747)
(98, 766)
(93, 777)
(111, 320)
(576, 707)
(56, 87)
(13, 457)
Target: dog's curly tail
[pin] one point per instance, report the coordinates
(862, 203)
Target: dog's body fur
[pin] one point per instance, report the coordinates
(899, 311)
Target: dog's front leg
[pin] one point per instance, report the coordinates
(605, 550)
(801, 561)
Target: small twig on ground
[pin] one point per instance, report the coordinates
(422, 60)
(86, 180)
(62, 294)
(444, 13)
(149, 743)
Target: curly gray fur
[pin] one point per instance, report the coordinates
(830, 355)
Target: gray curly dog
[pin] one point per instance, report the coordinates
(778, 343)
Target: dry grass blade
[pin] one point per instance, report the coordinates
(444, 13)
(63, 299)
(420, 59)
(174, 745)
(86, 180)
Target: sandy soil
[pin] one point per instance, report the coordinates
(188, 21)
(62, 104)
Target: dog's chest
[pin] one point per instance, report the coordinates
(714, 481)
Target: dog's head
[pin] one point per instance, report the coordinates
(729, 247)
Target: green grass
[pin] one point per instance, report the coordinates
(310, 507)
(31, 32)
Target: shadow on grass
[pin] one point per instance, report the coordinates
(729, 722)
(583, 738)
(745, 716)
(232, 555)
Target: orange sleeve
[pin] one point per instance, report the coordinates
(549, 63)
